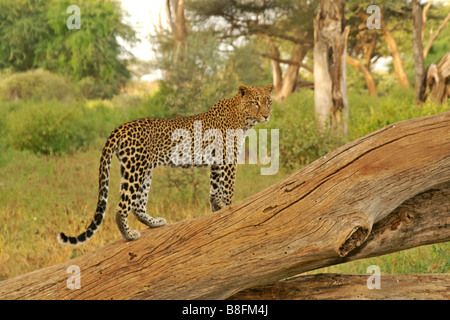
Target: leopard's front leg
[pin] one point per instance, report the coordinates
(222, 179)
(215, 189)
(228, 184)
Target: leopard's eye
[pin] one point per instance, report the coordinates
(256, 104)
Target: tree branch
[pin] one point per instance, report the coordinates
(287, 61)
(425, 16)
(370, 82)
(434, 36)
(271, 33)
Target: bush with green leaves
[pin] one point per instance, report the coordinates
(37, 85)
(48, 127)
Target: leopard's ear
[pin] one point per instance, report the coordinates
(269, 87)
(243, 90)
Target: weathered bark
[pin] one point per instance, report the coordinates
(354, 287)
(313, 218)
(330, 86)
(438, 80)
(370, 82)
(419, 61)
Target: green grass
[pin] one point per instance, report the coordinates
(42, 193)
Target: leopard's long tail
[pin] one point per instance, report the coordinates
(105, 164)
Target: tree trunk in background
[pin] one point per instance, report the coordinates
(425, 9)
(393, 50)
(290, 77)
(275, 64)
(396, 58)
(285, 83)
(370, 82)
(330, 44)
(419, 61)
(175, 15)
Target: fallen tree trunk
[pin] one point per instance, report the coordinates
(320, 214)
(421, 220)
(354, 287)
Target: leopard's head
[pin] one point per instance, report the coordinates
(256, 103)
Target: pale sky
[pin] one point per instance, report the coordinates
(142, 15)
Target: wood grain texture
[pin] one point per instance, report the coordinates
(353, 287)
(311, 219)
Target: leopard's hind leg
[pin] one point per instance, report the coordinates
(128, 190)
(122, 211)
(140, 204)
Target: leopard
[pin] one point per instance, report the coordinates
(215, 137)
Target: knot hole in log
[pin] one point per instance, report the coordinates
(356, 237)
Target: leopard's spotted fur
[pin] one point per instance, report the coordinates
(144, 144)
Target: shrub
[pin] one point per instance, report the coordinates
(37, 85)
(49, 127)
(92, 88)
